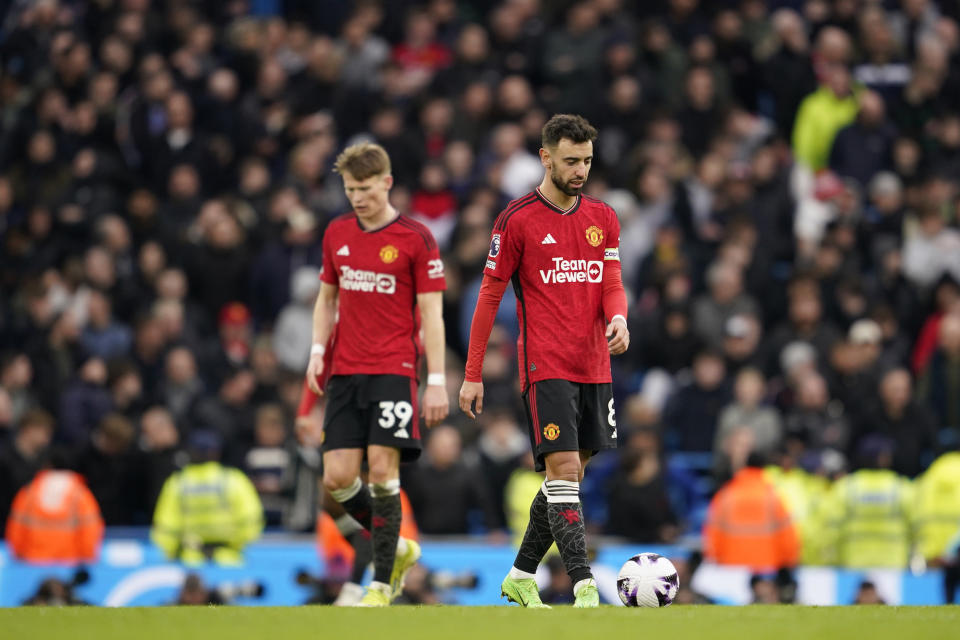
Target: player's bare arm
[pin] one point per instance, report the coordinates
(324, 316)
(436, 406)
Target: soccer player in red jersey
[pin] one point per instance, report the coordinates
(561, 251)
(383, 275)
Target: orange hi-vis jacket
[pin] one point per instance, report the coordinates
(55, 518)
(748, 525)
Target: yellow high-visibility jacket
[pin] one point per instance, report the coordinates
(801, 493)
(206, 504)
(867, 520)
(821, 115)
(938, 505)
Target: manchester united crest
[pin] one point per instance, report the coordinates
(551, 432)
(389, 253)
(594, 235)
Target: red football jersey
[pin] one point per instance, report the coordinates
(556, 259)
(379, 274)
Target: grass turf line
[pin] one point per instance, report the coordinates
(481, 623)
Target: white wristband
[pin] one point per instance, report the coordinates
(436, 379)
(618, 316)
(317, 350)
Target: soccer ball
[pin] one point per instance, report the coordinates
(647, 580)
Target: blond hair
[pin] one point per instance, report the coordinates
(363, 160)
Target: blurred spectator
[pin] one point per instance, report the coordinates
(207, 511)
(867, 519)
(938, 506)
(16, 376)
(272, 276)
(85, 401)
(666, 339)
(691, 414)
(899, 417)
(23, 455)
(500, 447)
(228, 413)
(742, 335)
(864, 148)
(109, 466)
(268, 462)
(725, 300)
(639, 507)
(856, 362)
(822, 114)
(816, 420)
(55, 518)
(748, 524)
(181, 388)
(294, 328)
(937, 386)
(805, 323)
(747, 412)
(559, 589)
(867, 594)
(218, 263)
(570, 56)
(702, 115)
(444, 473)
(763, 589)
(802, 492)
(160, 452)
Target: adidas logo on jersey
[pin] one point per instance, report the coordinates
(343, 251)
(549, 240)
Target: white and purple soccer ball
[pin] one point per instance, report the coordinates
(647, 580)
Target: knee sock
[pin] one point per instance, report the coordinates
(536, 539)
(565, 516)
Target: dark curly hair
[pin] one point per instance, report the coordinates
(569, 126)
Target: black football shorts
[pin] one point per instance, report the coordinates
(372, 409)
(569, 416)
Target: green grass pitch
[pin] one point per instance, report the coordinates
(486, 623)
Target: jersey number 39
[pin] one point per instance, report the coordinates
(390, 412)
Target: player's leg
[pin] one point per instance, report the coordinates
(359, 539)
(341, 477)
(596, 430)
(520, 585)
(551, 407)
(394, 436)
(384, 463)
(565, 515)
(344, 441)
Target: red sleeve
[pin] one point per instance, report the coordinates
(308, 400)
(505, 250)
(614, 297)
(491, 291)
(328, 272)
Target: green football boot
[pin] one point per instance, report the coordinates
(523, 591)
(402, 565)
(587, 597)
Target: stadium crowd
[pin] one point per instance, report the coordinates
(786, 173)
